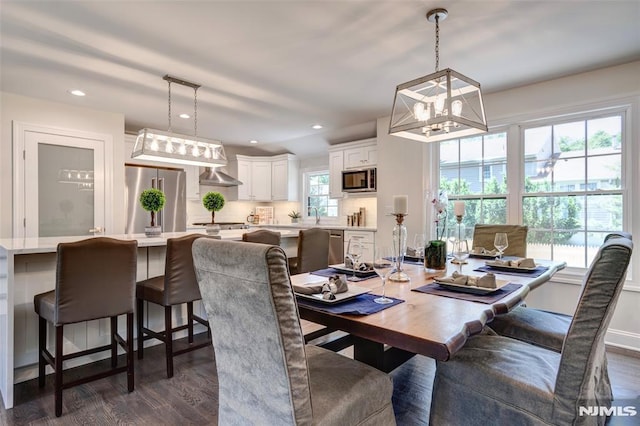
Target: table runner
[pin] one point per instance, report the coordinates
(488, 298)
(360, 305)
(539, 270)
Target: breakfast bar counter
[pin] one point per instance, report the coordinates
(28, 267)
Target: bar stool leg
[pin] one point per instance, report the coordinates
(168, 340)
(140, 315)
(114, 342)
(42, 345)
(190, 321)
(58, 372)
(130, 377)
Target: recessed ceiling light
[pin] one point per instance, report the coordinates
(77, 92)
(253, 141)
(317, 126)
(184, 115)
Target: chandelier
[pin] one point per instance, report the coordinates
(169, 147)
(438, 106)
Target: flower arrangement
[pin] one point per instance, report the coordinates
(213, 202)
(440, 204)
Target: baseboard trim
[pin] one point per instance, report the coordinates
(623, 341)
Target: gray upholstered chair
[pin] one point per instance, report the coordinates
(266, 374)
(263, 236)
(513, 382)
(483, 236)
(177, 286)
(95, 278)
(313, 250)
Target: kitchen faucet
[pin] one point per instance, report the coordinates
(317, 215)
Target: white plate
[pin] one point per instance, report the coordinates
(472, 289)
(509, 268)
(349, 271)
(353, 291)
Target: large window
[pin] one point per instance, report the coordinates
(317, 195)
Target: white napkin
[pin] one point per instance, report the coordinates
(486, 281)
(484, 251)
(517, 263)
(328, 289)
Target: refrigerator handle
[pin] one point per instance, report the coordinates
(160, 215)
(153, 183)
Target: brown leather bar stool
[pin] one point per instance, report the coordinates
(177, 286)
(95, 278)
(263, 236)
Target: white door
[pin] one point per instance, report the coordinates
(60, 181)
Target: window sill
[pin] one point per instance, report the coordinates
(574, 276)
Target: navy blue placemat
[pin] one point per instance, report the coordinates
(359, 305)
(488, 298)
(539, 270)
(360, 275)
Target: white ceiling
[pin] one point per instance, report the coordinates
(271, 69)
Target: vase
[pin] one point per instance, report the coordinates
(212, 229)
(435, 255)
(152, 231)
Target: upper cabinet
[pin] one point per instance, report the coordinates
(265, 178)
(353, 155)
(361, 157)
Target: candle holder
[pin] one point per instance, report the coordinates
(459, 236)
(399, 248)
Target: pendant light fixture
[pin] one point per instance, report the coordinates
(438, 106)
(169, 147)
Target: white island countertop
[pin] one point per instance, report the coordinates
(310, 225)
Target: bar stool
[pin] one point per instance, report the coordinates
(95, 278)
(177, 286)
(263, 236)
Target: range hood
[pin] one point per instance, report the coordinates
(215, 177)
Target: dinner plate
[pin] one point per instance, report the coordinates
(510, 268)
(470, 288)
(349, 271)
(353, 291)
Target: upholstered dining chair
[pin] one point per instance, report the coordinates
(483, 236)
(263, 236)
(95, 278)
(514, 382)
(266, 374)
(177, 286)
(313, 250)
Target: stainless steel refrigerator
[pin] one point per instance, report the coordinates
(173, 217)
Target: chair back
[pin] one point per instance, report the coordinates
(95, 278)
(618, 234)
(313, 249)
(483, 236)
(583, 346)
(263, 236)
(180, 284)
(254, 321)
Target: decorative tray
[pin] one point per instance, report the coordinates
(509, 268)
(353, 291)
(349, 271)
(470, 288)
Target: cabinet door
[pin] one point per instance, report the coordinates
(336, 164)
(261, 180)
(245, 191)
(193, 182)
(353, 158)
(280, 180)
(370, 155)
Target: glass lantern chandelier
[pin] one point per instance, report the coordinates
(169, 147)
(438, 106)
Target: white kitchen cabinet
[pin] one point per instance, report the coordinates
(261, 180)
(284, 178)
(366, 238)
(336, 165)
(352, 155)
(361, 157)
(193, 182)
(265, 178)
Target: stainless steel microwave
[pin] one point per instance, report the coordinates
(362, 180)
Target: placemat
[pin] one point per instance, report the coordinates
(539, 270)
(330, 272)
(360, 305)
(488, 298)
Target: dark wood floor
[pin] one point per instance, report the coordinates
(190, 397)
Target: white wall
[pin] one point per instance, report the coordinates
(36, 111)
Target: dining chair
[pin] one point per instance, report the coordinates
(95, 278)
(484, 234)
(313, 250)
(177, 286)
(263, 236)
(266, 373)
(514, 382)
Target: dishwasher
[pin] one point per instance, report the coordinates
(336, 246)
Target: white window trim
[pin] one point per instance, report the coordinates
(326, 220)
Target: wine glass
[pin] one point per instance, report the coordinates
(460, 252)
(418, 244)
(501, 242)
(354, 251)
(383, 264)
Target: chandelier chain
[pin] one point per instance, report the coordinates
(169, 113)
(195, 112)
(437, 43)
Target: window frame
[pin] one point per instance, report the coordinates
(306, 214)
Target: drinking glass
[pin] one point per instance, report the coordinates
(501, 242)
(354, 251)
(383, 264)
(460, 252)
(418, 244)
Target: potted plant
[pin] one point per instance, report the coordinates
(152, 200)
(294, 215)
(213, 202)
(435, 251)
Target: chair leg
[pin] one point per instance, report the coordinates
(58, 372)
(42, 345)
(190, 321)
(130, 377)
(114, 342)
(168, 340)
(140, 316)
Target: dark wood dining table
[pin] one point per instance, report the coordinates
(426, 324)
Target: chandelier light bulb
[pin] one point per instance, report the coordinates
(207, 152)
(456, 108)
(182, 150)
(195, 151)
(154, 144)
(169, 147)
(438, 105)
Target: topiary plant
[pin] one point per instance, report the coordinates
(152, 200)
(213, 201)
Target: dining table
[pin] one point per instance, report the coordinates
(433, 325)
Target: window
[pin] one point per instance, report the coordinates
(317, 195)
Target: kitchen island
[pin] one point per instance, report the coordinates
(28, 267)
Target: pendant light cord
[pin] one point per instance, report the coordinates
(195, 112)
(169, 113)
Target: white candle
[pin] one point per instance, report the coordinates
(458, 208)
(400, 204)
